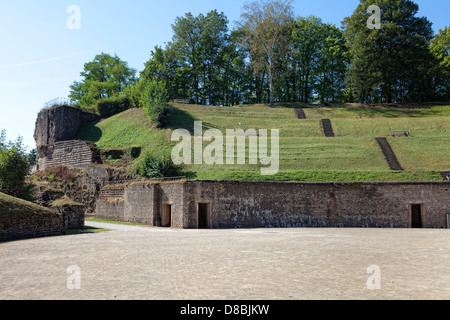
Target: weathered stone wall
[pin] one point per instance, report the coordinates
(140, 203)
(17, 227)
(72, 216)
(235, 204)
(173, 194)
(55, 124)
(111, 209)
(286, 204)
(69, 152)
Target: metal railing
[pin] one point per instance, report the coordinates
(56, 102)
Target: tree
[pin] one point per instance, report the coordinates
(393, 60)
(237, 75)
(306, 50)
(186, 39)
(266, 32)
(154, 100)
(104, 77)
(213, 43)
(332, 64)
(440, 48)
(14, 168)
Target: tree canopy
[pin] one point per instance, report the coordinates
(272, 56)
(389, 64)
(104, 77)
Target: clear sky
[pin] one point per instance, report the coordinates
(40, 57)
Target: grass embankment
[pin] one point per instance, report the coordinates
(304, 153)
(11, 206)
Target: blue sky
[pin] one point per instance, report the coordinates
(40, 56)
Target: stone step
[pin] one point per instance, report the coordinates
(327, 128)
(389, 154)
(300, 113)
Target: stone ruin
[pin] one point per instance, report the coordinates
(232, 204)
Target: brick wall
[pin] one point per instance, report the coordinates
(31, 226)
(71, 152)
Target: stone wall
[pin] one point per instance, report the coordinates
(17, 227)
(141, 205)
(69, 152)
(286, 204)
(173, 194)
(72, 216)
(243, 204)
(111, 209)
(55, 124)
(142, 202)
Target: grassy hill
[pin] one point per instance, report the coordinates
(305, 154)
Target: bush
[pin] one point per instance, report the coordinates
(110, 106)
(157, 166)
(14, 169)
(154, 101)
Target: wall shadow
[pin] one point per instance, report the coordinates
(180, 119)
(89, 132)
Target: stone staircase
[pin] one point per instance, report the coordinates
(327, 128)
(389, 154)
(300, 113)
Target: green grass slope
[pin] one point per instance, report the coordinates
(304, 153)
(10, 206)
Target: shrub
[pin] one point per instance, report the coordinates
(157, 166)
(110, 106)
(59, 173)
(154, 101)
(14, 168)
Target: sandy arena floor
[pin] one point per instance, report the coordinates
(256, 264)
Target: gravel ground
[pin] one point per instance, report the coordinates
(149, 263)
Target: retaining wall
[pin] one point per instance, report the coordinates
(285, 204)
(234, 204)
(25, 226)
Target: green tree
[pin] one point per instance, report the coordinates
(154, 101)
(237, 74)
(186, 40)
(306, 51)
(169, 66)
(213, 44)
(266, 26)
(14, 168)
(440, 48)
(104, 77)
(393, 61)
(332, 64)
